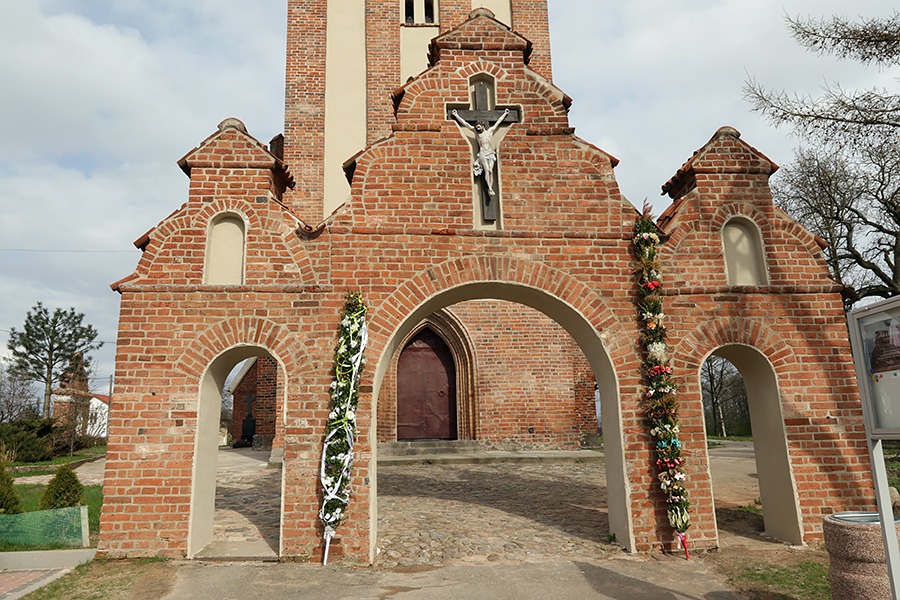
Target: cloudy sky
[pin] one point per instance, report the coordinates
(100, 98)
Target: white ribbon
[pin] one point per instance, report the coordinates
(332, 488)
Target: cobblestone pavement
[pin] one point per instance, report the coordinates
(435, 514)
(432, 514)
(248, 500)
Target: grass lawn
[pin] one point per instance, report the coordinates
(806, 580)
(112, 580)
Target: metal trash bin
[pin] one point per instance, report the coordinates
(857, 567)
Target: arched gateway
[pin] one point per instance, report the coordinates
(466, 188)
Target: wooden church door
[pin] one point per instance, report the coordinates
(426, 389)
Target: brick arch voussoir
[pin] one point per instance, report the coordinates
(371, 156)
(800, 234)
(682, 235)
(424, 86)
(243, 331)
(540, 87)
(434, 80)
(730, 210)
(689, 354)
(159, 238)
(391, 312)
(482, 67)
(233, 206)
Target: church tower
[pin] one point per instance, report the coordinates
(344, 60)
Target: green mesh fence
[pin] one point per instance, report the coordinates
(60, 526)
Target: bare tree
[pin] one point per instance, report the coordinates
(852, 201)
(839, 115)
(17, 397)
(724, 398)
(846, 189)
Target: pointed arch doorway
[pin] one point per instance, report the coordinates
(426, 389)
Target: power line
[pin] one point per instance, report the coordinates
(66, 251)
(101, 341)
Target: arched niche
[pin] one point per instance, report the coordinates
(745, 262)
(225, 250)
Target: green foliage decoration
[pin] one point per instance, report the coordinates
(337, 453)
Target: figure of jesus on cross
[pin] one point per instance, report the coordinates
(487, 154)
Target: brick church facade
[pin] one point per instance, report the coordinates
(522, 298)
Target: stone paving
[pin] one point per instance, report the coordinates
(248, 505)
(432, 514)
(435, 514)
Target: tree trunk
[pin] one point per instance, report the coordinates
(48, 389)
(721, 420)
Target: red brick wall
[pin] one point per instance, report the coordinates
(528, 373)
(304, 106)
(260, 382)
(408, 243)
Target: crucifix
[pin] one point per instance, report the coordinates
(486, 123)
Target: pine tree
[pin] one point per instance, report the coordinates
(46, 344)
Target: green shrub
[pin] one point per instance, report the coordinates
(27, 441)
(9, 501)
(63, 491)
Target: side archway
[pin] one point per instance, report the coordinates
(203, 490)
(760, 357)
(208, 361)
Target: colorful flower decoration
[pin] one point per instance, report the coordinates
(660, 395)
(337, 453)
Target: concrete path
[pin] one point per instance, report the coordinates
(24, 572)
(90, 473)
(624, 578)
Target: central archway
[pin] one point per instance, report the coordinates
(586, 335)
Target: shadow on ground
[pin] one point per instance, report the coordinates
(572, 506)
